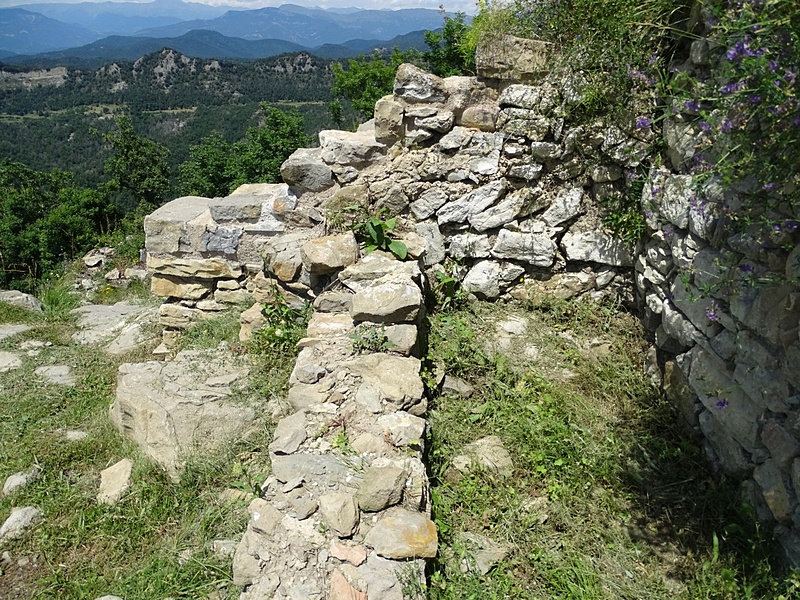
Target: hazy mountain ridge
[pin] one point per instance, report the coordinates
(23, 31)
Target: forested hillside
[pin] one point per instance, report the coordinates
(171, 98)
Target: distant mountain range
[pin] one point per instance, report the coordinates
(82, 30)
(204, 44)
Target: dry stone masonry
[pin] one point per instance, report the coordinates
(487, 180)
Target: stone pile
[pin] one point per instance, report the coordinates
(345, 512)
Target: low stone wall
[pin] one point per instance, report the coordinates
(487, 181)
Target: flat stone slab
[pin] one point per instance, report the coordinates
(9, 361)
(57, 374)
(20, 520)
(99, 323)
(6, 331)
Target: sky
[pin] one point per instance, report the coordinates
(468, 6)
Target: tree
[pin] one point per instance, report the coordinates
(45, 218)
(368, 78)
(449, 52)
(216, 168)
(137, 164)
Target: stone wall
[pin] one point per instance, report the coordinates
(488, 181)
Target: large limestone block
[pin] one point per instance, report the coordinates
(487, 278)
(404, 534)
(347, 148)
(169, 228)
(174, 409)
(395, 378)
(414, 85)
(98, 323)
(512, 58)
(596, 246)
(330, 253)
(198, 268)
(391, 301)
(472, 203)
(533, 248)
(305, 169)
(388, 120)
(167, 286)
(21, 300)
(263, 208)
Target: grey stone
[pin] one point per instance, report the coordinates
(484, 553)
(305, 169)
(455, 386)
(434, 242)
(403, 428)
(605, 173)
(8, 330)
(428, 203)
(459, 137)
(469, 245)
(187, 268)
(536, 249)
(730, 453)
(395, 377)
(9, 361)
(20, 520)
(114, 482)
(769, 478)
(512, 58)
(175, 408)
(57, 374)
(441, 121)
(565, 207)
(344, 148)
(404, 534)
(390, 301)
(330, 253)
(333, 302)
(480, 116)
(487, 453)
(630, 153)
(472, 203)
(680, 140)
(219, 238)
(403, 338)
(527, 171)
(381, 487)
(98, 323)
(676, 199)
(781, 444)
(325, 470)
(289, 434)
(545, 150)
(500, 214)
(414, 85)
(21, 300)
(17, 481)
(388, 120)
(521, 96)
(596, 246)
(486, 279)
(339, 510)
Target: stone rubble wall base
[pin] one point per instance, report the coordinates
(487, 181)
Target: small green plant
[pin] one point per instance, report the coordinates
(623, 217)
(370, 338)
(449, 294)
(376, 234)
(283, 329)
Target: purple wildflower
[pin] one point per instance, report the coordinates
(691, 105)
(643, 123)
(653, 60)
(747, 268)
(704, 126)
(768, 187)
(721, 404)
(790, 77)
(773, 65)
(733, 87)
(726, 126)
(711, 312)
(791, 226)
(754, 98)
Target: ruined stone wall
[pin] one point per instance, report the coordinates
(488, 181)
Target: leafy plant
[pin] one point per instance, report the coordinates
(376, 237)
(370, 338)
(283, 329)
(449, 294)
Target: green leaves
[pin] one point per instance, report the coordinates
(377, 237)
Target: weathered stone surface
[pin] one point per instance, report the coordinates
(19, 521)
(769, 478)
(8, 330)
(387, 302)
(115, 481)
(305, 169)
(441, 121)
(198, 268)
(98, 323)
(57, 374)
(342, 590)
(289, 434)
(388, 120)
(428, 203)
(381, 487)
(9, 361)
(339, 510)
(395, 377)
(565, 207)
(512, 58)
(355, 555)
(330, 253)
(168, 286)
(177, 316)
(434, 242)
(345, 148)
(323, 469)
(17, 481)
(483, 553)
(404, 534)
(21, 300)
(469, 245)
(472, 203)
(680, 140)
(596, 246)
(536, 249)
(782, 445)
(170, 227)
(480, 116)
(404, 429)
(488, 454)
(414, 85)
(333, 302)
(251, 321)
(500, 214)
(487, 278)
(173, 409)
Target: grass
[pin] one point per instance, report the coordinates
(609, 498)
(155, 542)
